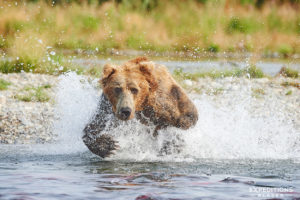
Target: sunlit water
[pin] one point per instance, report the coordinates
(229, 154)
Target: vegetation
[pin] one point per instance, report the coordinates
(173, 25)
(250, 72)
(94, 71)
(4, 84)
(291, 83)
(37, 94)
(218, 91)
(257, 92)
(288, 72)
(34, 32)
(42, 66)
(253, 72)
(289, 92)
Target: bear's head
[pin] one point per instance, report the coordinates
(128, 86)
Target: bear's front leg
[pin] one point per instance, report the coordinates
(98, 142)
(188, 114)
(103, 146)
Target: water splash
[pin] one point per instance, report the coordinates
(76, 100)
(224, 131)
(221, 133)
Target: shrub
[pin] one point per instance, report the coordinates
(254, 72)
(288, 72)
(214, 48)
(242, 25)
(285, 50)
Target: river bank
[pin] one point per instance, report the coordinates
(28, 101)
(201, 27)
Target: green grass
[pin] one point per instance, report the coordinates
(4, 84)
(88, 23)
(254, 72)
(258, 92)
(250, 72)
(20, 65)
(290, 84)
(94, 71)
(285, 50)
(218, 91)
(242, 25)
(42, 66)
(289, 72)
(34, 94)
(289, 92)
(214, 48)
(171, 25)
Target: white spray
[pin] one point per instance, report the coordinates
(229, 132)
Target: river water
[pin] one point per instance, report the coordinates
(229, 154)
(269, 67)
(83, 176)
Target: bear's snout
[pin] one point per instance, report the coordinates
(125, 106)
(125, 113)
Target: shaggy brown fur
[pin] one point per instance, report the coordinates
(143, 89)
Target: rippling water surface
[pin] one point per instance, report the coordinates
(83, 176)
(229, 154)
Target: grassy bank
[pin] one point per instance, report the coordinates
(198, 26)
(250, 72)
(53, 66)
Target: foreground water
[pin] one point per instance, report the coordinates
(231, 153)
(83, 176)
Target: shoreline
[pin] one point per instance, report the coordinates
(178, 54)
(27, 106)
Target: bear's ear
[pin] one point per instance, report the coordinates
(108, 70)
(147, 69)
(138, 60)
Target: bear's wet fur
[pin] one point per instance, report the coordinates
(142, 89)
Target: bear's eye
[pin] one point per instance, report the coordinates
(118, 90)
(134, 90)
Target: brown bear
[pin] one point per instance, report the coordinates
(139, 88)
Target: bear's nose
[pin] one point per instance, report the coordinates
(125, 112)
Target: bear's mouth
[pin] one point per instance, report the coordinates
(121, 117)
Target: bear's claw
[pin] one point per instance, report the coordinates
(103, 146)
